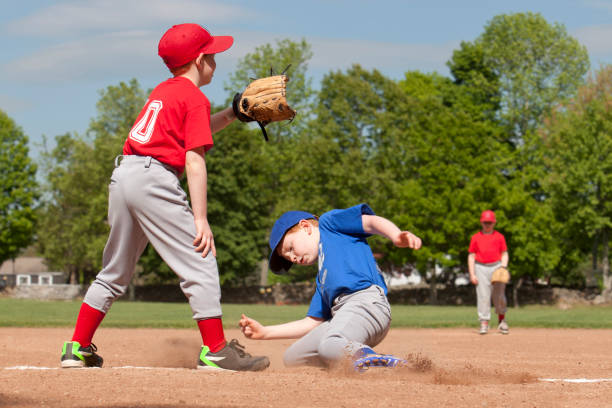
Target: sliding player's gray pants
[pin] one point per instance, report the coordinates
(147, 204)
(358, 319)
(485, 291)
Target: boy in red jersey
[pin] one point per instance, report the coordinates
(147, 204)
(488, 252)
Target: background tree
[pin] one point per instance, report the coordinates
(245, 172)
(258, 64)
(74, 214)
(18, 190)
(68, 229)
(535, 65)
(446, 168)
(578, 137)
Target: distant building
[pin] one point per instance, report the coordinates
(26, 270)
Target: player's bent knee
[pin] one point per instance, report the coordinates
(333, 348)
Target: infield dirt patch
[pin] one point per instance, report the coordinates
(448, 367)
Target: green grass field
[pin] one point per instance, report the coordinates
(31, 313)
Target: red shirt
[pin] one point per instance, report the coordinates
(488, 247)
(175, 118)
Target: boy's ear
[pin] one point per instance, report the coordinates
(306, 225)
(199, 61)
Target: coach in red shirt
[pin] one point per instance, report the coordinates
(488, 252)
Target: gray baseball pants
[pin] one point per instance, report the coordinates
(358, 319)
(147, 204)
(486, 291)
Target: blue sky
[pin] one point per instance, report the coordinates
(57, 55)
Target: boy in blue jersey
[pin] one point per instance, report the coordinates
(349, 312)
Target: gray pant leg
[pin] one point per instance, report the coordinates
(167, 220)
(158, 207)
(358, 319)
(305, 351)
(125, 244)
(483, 292)
(499, 298)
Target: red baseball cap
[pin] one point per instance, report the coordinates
(184, 42)
(487, 216)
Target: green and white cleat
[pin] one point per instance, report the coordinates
(75, 356)
(232, 357)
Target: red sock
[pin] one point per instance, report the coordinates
(501, 317)
(212, 333)
(88, 321)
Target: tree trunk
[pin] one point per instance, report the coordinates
(591, 277)
(263, 273)
(73, 276)
(515, 290)
(433, 286)
(132, 289)
(605, 264)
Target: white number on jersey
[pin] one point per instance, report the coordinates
(142, 131)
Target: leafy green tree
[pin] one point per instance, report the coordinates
(537, 65)
(444, 169)
(18, 190)
(578, 137)
(331, 163)
(78, 170)
(275, 58)
(65, 210)
(246, 174)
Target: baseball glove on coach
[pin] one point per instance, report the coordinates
(264, 100)
(501, 275)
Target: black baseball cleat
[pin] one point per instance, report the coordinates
(232, 357)
(74, 356)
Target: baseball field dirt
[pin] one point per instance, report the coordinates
(448, 368)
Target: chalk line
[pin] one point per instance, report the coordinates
(576, 380)
(551, 380)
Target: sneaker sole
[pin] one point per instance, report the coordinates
(72, 364)
(211, 368)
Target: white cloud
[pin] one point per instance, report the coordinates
(333, 53)
(12, 105)
(599, 4)
(596, 39)
(74, 17)
(127, 54)
(87, 58)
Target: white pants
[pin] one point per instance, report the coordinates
(485, 290)
(358, 319)
(147, 204)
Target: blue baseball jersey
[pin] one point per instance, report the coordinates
(346, 263)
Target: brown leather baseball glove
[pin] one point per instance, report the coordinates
(501, 275)
(264, 100)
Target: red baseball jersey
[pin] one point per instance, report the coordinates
(487, 247)
(175, 118)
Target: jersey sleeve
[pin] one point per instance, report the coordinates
(347, 221)
(197, 128)
(473, 245)
(318, 308)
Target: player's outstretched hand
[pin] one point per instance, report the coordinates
(406, 239)
(251, 328)
(204, 240)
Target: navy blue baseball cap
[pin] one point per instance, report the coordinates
(277, 263)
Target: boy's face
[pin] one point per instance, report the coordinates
(302, 246)
(487, 226)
